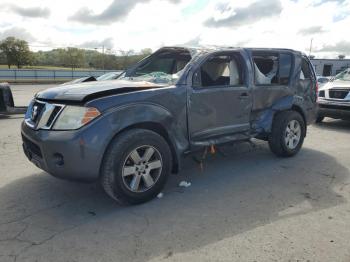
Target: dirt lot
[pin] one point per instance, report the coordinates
(245, 206)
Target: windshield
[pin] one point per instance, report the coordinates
(343, 76)
(164, 67)
(107, 76)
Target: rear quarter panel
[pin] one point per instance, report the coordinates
(298, 95)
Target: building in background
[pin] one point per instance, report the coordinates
(330, 67)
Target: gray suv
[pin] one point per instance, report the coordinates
(131, 133)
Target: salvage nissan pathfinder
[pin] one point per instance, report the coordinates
(132, 132)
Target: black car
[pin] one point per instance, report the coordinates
(6, 98)
(131, 133)
(104, 77)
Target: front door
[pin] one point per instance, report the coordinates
(219, 101)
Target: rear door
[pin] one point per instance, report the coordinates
(219, 102)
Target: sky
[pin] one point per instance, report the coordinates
(136, 24)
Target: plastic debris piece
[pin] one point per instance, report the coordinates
(160, 195)
(184, 184)
(212, 149)
(201, 166)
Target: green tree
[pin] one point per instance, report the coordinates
(72, 57)
(125, 55)
(146, 52)
(16, 52)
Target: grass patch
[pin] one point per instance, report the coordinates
(47, 68)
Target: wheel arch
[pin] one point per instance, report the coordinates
(157, 128)
(302, 113)
(162, 131)
(151, 117)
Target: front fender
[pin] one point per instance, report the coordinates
(126, 116)
(130, 114)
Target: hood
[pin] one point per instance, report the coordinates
(336, 84)
(83, 92)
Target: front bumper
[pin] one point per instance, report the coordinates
(72, 155)
(334, 109)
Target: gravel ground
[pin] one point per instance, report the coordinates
(246, 205)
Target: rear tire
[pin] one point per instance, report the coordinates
(287, 134)
(136, 166)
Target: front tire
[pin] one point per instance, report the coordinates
(136, 166)
(287, 134)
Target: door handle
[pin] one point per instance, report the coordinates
(244, 95)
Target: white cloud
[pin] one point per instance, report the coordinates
(154, 23)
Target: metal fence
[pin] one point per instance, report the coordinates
(43, 75)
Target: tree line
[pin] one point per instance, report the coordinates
(16, 52)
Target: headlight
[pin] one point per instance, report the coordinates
(74, 117)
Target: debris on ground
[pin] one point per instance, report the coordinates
(92, 213)
(160, 195)
(184, 184)
(201, 159)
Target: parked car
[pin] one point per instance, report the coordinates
(109, 76)
(131, 133)
(104, 77)
(7, 105)
(6, 98)
(334, 98)
(322, 80)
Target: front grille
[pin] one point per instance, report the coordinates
(32, 147)
(321, 93)
(37, 109)
(338, 94)
(53, 115)
(42, 115)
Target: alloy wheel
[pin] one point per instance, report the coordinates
(292, 134)
(142, 168)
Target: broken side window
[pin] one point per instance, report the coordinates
(272, 68)
(219, 70)
(305, 70)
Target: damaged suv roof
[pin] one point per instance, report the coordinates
(213, 48)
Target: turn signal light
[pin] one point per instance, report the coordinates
(90, 114)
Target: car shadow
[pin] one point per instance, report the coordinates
(238, 189)
(13, 116)
(3, 116)
(334, 125)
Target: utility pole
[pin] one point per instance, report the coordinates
(310, 47)
(103, 54)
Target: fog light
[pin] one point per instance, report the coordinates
(58, 159)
